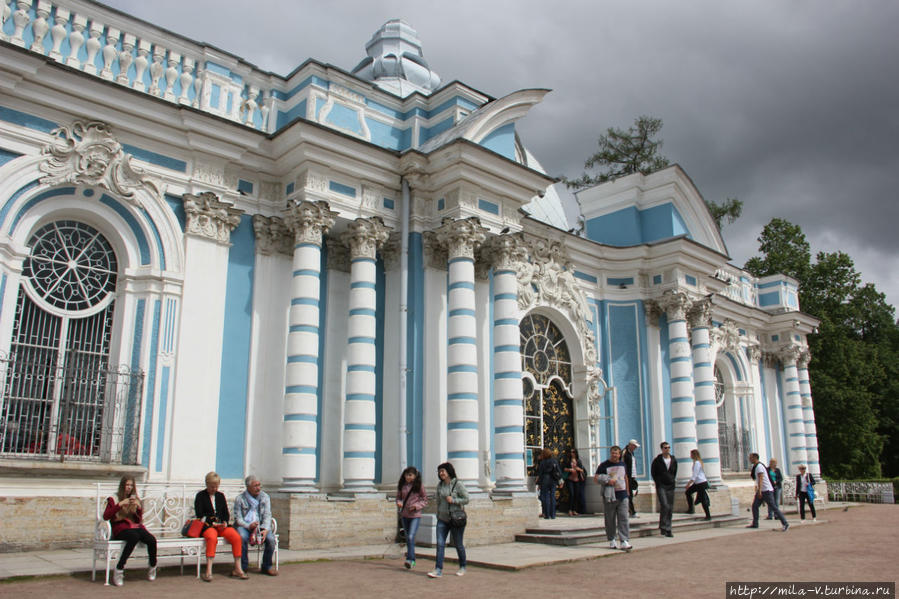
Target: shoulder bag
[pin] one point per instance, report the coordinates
(458, 517)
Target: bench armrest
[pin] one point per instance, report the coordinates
(103, 531)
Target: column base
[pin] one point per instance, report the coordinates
(365, 488)
(510, 488)
(298, 485)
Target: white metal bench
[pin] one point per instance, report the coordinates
(166, 507)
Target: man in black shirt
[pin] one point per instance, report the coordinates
(664, 474)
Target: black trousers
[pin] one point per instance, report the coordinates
(133, 536)
(666, 507)
(803, 497)
(702, 496)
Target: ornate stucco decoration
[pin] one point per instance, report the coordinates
(675, 304)
(272, 235)
(754, 351)
(461, 237)
(338, 255)
(700, 315)
(364, 236)
(726, 337)
(548, 279)
(87, 154)
(804, 358)
(789, 353)
(309, 221)
(209, 217)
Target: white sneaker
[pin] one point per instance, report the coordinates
(461, 572)
(435, 574)
(118, 577)
(613, 544)
(625, 546)
(151, 573)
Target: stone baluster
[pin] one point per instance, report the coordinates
(40, 26)
(5, 13)
(704, 389)
(20, 19)
(364, 237)
(156, 70)
(109, 53)
(93, 46)
(58, 32)
(508, 407)
(808, 413)
(309, 221)
(461, 238)
(125, 58)
(76, 40)
(251, 105)
(186, 80)
(795, 442)
(198, 88)
(683, 415)
(140, 65)
(171, 74)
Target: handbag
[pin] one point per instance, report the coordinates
(193, 528)
(458, 517)
(400, 529)
(810, 491)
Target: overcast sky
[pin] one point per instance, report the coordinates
(792, 107)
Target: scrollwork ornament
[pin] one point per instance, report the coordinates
(700, 315)
(309, 221)
(789, 354)
(676, 304)
(272, 235)
(364, 236)
(461, 237)
(87, 154)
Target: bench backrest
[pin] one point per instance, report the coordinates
(166, 505)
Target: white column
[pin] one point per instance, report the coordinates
(364, 237)
(795, 441)
(704, 392)
(308, 221)
(508, 406)
(808, 415)
(683, 419)
(461, 237)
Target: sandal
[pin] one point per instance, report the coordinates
(240, 575)
(206, 577)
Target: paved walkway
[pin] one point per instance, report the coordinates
(504, 556)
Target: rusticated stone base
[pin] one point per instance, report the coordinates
(320, 521)
(29, 523)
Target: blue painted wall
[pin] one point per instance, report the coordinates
(630, 226)
(415, 352)
(501, 141)
(232, 415)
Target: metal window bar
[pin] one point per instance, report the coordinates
(733, 446)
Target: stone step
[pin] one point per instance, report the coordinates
(593, 534)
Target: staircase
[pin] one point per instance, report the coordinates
(583, 530)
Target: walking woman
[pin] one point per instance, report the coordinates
(577, 479)
(125, 513)
(805, 492)
(211, 504)
(777, 481)
(410, 499)
(698, 485)
(451, 497)
(549, 477)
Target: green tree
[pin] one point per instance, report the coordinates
(854, 354)
(725, 213)
(624, 153)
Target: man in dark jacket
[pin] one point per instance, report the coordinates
(664, 473)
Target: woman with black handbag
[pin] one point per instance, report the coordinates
(451, 499)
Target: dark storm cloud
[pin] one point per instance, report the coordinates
(791, 107)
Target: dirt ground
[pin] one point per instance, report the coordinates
(860, 544)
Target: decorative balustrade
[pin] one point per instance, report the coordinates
(75, 34)
(863, 491)
(738, 289)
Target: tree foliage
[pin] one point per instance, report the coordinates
(855, 354)
(624, 153)
(725, 213)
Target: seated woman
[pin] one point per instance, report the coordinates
(211, 505)
(125, 513)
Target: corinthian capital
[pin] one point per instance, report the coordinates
(208, 216)
(700, 314)
(505, 252)
(789, 354)
(804, 358)
(461, 237)
(272, 235)
(364, 236)
(675, 304)
(309, 221)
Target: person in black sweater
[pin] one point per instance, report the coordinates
(664, 474)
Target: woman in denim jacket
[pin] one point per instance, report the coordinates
(451, 497)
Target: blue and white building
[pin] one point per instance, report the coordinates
(322, 277)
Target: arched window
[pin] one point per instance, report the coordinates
(59, 395)
(733, 438)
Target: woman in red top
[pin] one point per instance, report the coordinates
(125, 512)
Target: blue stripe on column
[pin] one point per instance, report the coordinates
(505, 321)
(704, 384)
(701, 346)
(681, 359)
(472, 426)
(306, 272)
(505, 348)
(303, 328)
(304, 301)
(462, 341)
(682, 419)
(685, 439)
(706, 402)
(298, 450)
(360, 397)
(674, 340)
(706, 421)
(500, 430)
(681, 379)
(497, 273)
(308, 245)
(362, 312)
(508, 402)
(462, 368)
(509, 456)
(362, 285)
(461, 312)
(302, 359)
(301, 389)
(367, 455)
(459, 259)
(461, 285)
(707, 441)
(366, 340)
(513, 374)
(299, 417)
(360, 368)
(453, 396)
(359, 427)
(458, 455)
(363, 259)
(505, 296)
(702, 365)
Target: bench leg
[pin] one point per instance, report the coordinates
(107, 569)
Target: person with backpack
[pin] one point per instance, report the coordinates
(764, 492)
(549, 478)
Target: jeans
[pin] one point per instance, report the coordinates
(666, 507)
(548, 500)
(443, 529)
(778, 493)
(803, 497)
(133, 536)
(766, 497)
(267, 552)
(410, 525)
(577, 502)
